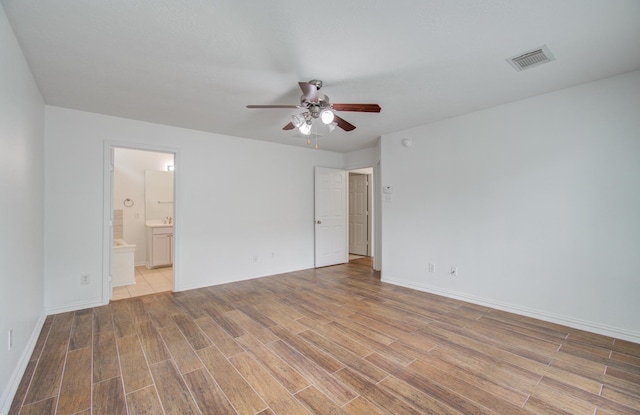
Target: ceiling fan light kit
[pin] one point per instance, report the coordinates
(317, 105)
(305, 128)
(297, 120)
(327, 116)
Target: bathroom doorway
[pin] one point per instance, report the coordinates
(142, 201)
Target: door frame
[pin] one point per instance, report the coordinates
(107, 215)
(375, 242)
(368, 172)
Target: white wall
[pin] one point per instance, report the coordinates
(367, 157)
(21, 212)
(536, 202)
(128, 178)
(235, 198)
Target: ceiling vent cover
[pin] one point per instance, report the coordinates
(531, 59)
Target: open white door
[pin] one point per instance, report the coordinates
(331, 217)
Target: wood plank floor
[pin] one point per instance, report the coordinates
(334, 341)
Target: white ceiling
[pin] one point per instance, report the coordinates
(197, 63)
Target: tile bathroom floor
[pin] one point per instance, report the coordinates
(148, 281)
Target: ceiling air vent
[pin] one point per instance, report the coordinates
(532, 58)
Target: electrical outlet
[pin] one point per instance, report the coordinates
(454, 271)
(84, 279)
(255, 258)
(432, 267)
(10, 341)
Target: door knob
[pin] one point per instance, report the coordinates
(318, 222)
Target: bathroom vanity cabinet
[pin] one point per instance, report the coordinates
(159, 246)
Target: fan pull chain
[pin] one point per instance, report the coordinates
(316, 137)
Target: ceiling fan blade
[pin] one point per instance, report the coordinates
(289, 126)
(273, 106)
(345, 125)
(310, 91)
(357, 107)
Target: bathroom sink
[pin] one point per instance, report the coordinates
(157, 223)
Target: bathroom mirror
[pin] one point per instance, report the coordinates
(158, 194)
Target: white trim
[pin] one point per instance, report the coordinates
(75, 307)
(205, 284)
(375, 211)
(615, 332)
(106, 215)
(208, 284)
(14, 380)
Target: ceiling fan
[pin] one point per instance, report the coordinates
(317, 105)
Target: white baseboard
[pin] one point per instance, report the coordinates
(204, 284)
(14, 380)
(589, 326)
(74, 307)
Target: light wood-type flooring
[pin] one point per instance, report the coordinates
(334, 341)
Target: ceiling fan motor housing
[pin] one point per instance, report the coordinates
(315, 108)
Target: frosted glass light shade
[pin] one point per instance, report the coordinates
(327, 116)
(305, 128)
(297, 120)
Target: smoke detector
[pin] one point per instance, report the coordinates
(531, 58)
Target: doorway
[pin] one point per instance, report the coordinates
(332, 208)
(360, 213)
(141, 216)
